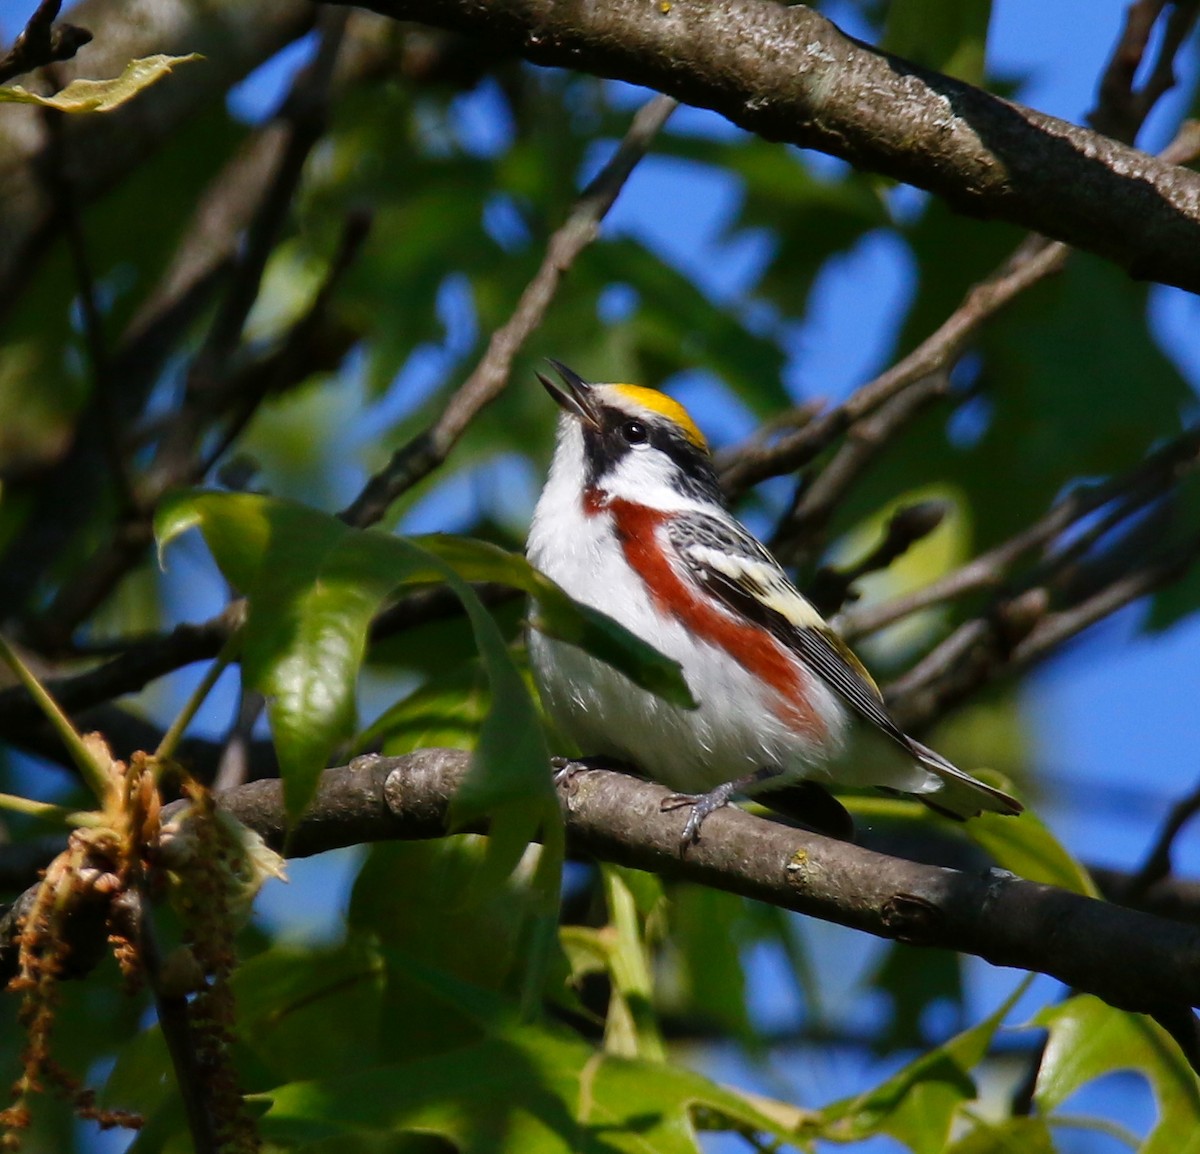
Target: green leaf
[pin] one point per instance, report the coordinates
(509, 780)
(102, 95)
(557, 615)
(1089, 1038)
(918, 1105)
(288, 996)
(141, 1078)
(709, 929)
(947, 35)
(446, 712)
(1012, 1136)
(1026, 846)
(523, 1090)
(313, 585)
(631, 1028)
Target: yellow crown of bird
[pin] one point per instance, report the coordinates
(667, 407)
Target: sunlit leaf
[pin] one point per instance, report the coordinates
(446, 712)
(1012, 1136)
(1089, 1038)
(1026, 846)
(101, 95)
(948, 35)
(919, 1104)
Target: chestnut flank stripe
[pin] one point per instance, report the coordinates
(637, 529)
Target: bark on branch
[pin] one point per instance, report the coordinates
(1131, 959)
(787, 73)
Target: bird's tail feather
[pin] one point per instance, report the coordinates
(960, 794)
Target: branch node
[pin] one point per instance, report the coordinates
(912, 919)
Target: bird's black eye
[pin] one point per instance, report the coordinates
(635, 433)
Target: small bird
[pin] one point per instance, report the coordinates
(632, 521)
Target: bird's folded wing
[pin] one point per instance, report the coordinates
(731, 565)
(734, 568)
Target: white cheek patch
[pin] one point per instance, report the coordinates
(645, 478)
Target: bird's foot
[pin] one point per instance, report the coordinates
(566, 769)
(702, 804)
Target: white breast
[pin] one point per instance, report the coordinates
(735, 730)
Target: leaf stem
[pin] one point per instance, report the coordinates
(170, 741)
(92, 770)
(14, 803)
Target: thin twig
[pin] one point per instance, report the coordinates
(831, 587)
(989, 570)
(104, 403)
(1028, 264)
(42, 42)
(175, 1022)
(878, 411)
(305, 113)
(1157, 863)
(1121, 109)
(294, 359)
(1017, 634)
(425, 452)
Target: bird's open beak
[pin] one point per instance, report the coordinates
(573, 395)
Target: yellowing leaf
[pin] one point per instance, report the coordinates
(101, 95)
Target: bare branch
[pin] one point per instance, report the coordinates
(103, 404)
(174, 1019)
(1017, 633)
(1133, 960)
(786, 73)
(233, 38)
(1157, 865)
(1121, 109)
(1132, 491)
(42, 42)
(909, 524)
(428, 450)
(304, 113)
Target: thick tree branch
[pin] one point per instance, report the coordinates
(787, 73)
(1132, 960)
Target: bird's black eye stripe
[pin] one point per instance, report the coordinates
(635, 433)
